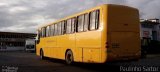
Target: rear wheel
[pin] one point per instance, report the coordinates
(69, 57)
(41, 54)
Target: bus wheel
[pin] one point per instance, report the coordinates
(41, 54)
(69, 57)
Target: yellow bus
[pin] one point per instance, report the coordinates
(104, 33)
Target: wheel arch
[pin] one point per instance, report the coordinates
(68, 50)
(41, 49)
(66, 56)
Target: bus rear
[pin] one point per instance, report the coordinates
(123, 33)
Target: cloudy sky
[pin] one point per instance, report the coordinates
(26, 15)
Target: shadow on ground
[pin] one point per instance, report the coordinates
(110, 66)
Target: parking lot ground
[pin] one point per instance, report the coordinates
(28, 62)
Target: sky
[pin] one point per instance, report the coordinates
(26, 15)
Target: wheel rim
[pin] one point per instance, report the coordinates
(41, 54)
(69, 58)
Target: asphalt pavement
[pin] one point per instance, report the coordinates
(21, 61)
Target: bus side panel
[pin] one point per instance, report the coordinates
(38, 49)
(51, 44)
(65, 42)
(90, 42)
(45, 50)
(78, 54)
(91, 55)
(39, 46)
(61, 47)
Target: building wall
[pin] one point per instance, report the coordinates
(13, 41)
(150, 28)
(157, 29)
(146, 32)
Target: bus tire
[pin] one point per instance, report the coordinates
(41, 54)
(69, 57)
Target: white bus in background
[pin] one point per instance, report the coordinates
(30, 45)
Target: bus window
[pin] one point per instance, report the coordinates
(97, 19)
(73, 25)
(47, 31)
(65, 27)
(43, 32)
(86, 22)
(62, 27)
(52, 30)
(55, 30)
(80, 23)
(59, 28)
(40, 32)
(68, 26)
(94, 19)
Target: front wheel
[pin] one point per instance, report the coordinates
(69, 57)
(41, 54)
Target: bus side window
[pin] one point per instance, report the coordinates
(41, 33)
(65, 27)
(94, 20)
(80, 23)
(47, 31)
(44, 32)
(55, 30)
(97, 18)
(59, 28)
(73, 25)
(52, 30)
(68, 29)
(86, 22)
(62, 27)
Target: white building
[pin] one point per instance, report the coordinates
(150, 29)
